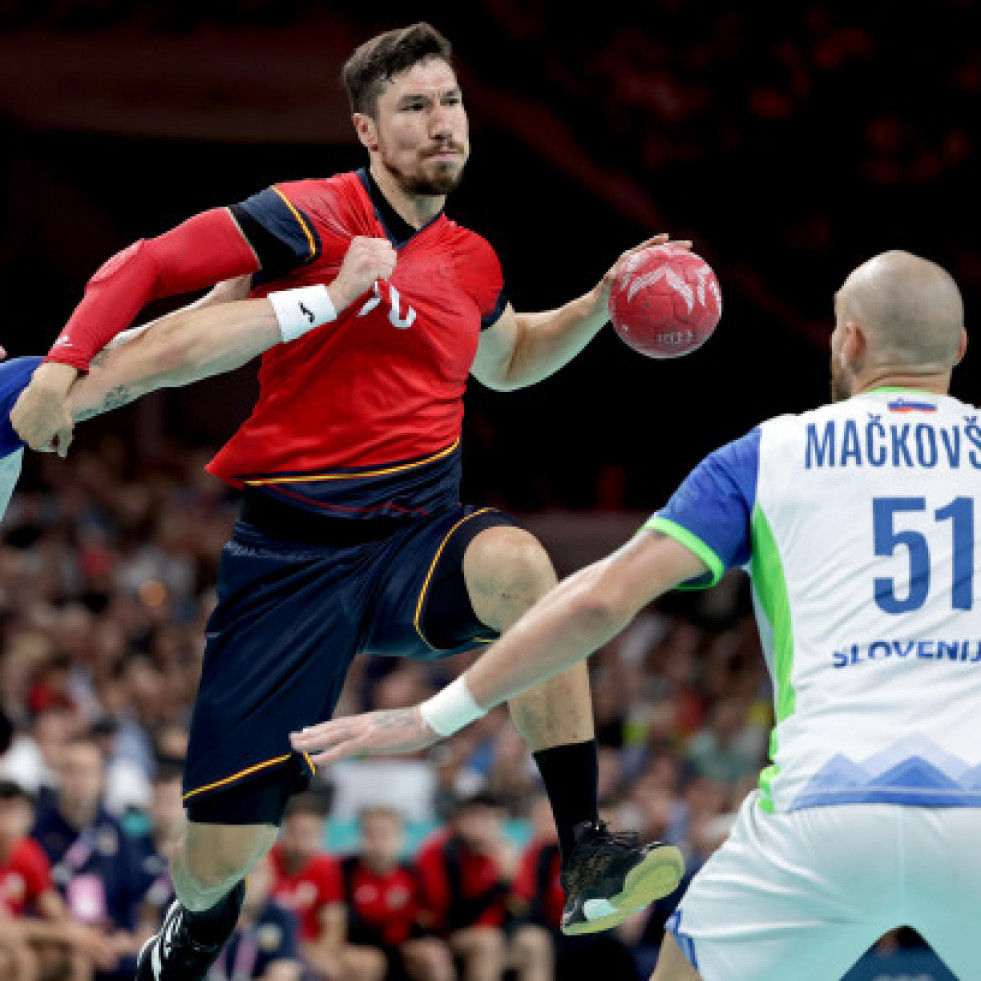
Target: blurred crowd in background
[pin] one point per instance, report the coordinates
(437, 866)
(790, 141)
(107, 570)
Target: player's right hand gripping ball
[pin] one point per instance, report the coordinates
(665, 301)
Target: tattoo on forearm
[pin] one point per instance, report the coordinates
(99, 359)
(114, 398)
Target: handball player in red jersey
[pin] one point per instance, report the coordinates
(352, 536)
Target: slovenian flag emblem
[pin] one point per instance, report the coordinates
(909, 405)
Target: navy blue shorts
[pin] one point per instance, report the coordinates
(291, 617)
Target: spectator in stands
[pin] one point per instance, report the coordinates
(725, 750)
(308, 882)
(94, 864)
(166, 815)
(34, 758)
(264, 944)
(36, 936)
(465, 871)
(386, 934)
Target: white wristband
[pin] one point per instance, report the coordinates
(302, 309)
(451, 709)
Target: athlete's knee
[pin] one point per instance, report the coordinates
(507, 571)
(214, 857)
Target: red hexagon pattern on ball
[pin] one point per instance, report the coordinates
(665, 301)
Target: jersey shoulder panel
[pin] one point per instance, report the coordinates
(711, 511)
(481, 272)
(296, 223)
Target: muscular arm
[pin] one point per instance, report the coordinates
(177, 350)
(579, 616)
(217, 334)
(206, 249)
(520, 349)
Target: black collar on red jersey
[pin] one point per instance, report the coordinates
(398, 230)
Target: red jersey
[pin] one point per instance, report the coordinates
(24, 876)
(461, 888)
(307, 891)
(383, 909)
(380, 390)
(537, 887)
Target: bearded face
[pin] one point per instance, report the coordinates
(421, 129)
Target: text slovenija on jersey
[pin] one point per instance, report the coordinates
(858, 523)
(363, 416)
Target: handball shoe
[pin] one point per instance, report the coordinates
(173, 954)
(609, 876)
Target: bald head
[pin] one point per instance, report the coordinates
(909, 309)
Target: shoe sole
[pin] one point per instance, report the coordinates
(654, 878)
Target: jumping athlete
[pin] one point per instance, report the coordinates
(858, 525)
(352, 537)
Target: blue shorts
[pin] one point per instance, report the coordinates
(292, 616)
(14, 377)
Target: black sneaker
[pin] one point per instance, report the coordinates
(609, 876)
(173, 954)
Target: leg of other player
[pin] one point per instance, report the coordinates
(605, 876)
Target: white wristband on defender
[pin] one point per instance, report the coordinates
(302, 309)
(451, 709)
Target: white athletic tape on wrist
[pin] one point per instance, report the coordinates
(302, 309)
(451, 709)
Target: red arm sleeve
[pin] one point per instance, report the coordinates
(198, 253)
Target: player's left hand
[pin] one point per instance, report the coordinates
(373, 734)
(602, 291)
(40, 415)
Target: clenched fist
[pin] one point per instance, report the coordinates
(366, 260)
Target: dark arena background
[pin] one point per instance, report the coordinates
(789, 141)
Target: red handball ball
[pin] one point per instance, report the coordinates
(665, 301)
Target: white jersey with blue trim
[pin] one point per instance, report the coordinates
(857, 523)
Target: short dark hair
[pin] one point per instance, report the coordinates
(380, 59)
